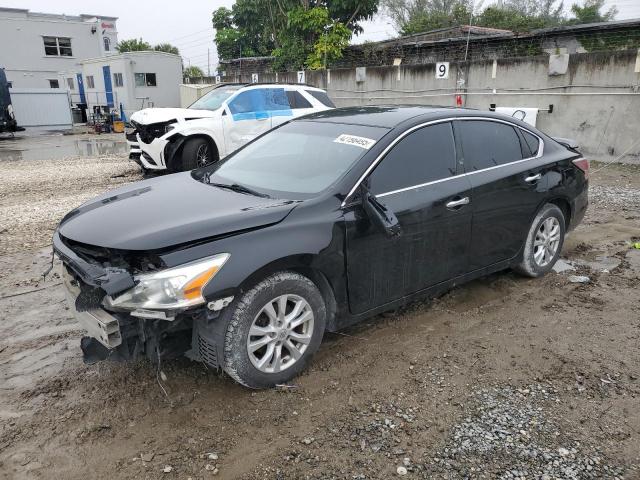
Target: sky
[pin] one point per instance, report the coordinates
(187, 23)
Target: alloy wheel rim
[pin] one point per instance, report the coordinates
(547, 241)
(202, 155)
(280, 333)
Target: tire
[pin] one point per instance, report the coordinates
(248, 315)
(539, 254)
(196, 152)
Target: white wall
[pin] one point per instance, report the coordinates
(168, 70)
(189, 93)
(22, 51)
(166, 93)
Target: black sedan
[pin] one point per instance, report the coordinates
(315, 225)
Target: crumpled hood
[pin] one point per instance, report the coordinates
(149, 116)
(167, 211)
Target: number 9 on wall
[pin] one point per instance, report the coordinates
(442, 70)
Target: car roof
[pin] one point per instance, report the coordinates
(387, 116)
(390, 116)
(269, 85)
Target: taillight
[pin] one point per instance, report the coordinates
(583, 164)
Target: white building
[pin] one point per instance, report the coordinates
(41, 50)
(134, 80)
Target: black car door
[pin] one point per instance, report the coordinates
(417, 181)
(508, 186)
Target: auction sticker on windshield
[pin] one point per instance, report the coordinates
(361, 142)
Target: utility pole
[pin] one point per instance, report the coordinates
(208, 64)
(325, 48)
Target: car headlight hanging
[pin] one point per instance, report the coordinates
(171, 289)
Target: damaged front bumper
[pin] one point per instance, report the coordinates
(160, 153)
(122, 335)
(115, 335)
(99, 324)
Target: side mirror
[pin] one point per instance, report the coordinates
(379, 214)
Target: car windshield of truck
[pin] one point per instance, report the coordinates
(296, 161)
(213, 100)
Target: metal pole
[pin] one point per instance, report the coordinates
(325, 49)
(208, 64)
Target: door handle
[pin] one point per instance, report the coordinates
(533, 178)
(458, 203)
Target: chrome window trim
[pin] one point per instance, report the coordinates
(382, 154)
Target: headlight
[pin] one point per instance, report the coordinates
(170, 289)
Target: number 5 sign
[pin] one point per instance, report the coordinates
(442, 70)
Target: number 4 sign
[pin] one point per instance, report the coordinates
(442, 70)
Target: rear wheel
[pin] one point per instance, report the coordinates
(274, 330)
(544, 242)
(196, 153)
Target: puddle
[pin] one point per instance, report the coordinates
(58, 147)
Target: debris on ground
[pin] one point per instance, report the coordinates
(562, 266)
(578, 279)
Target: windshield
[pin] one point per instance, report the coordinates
(213, 100)
(296, 161)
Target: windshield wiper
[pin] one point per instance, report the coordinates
(236, 187)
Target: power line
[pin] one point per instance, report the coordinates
(197, 47)
(190, 34)
(195, 41)
(191, 57)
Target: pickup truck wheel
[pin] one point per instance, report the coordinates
(274, 330)
(196, 153)
(544, 242)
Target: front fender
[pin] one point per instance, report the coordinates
(209, 127)
(294, 243)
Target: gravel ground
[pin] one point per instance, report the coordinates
(35, 194)
(505, 377)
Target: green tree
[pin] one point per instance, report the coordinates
(167, 47)
(132, 45)
(510, 19)
(193, 72)
(590, 12)
(297, 32)
(245, 30)
(415, 16)
(222, 18)
(329, 47)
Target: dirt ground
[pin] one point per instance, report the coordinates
(504, 377)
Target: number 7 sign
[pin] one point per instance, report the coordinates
(442, 70)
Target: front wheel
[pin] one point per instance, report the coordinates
(274, 330)
(544, 242)
(196, 153)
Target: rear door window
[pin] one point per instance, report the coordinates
(423, 156)
(297, 101)
(275, 99)
(322, 97)
(259, 103)
(488, 144)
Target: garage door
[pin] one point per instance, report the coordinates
(41, 107)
